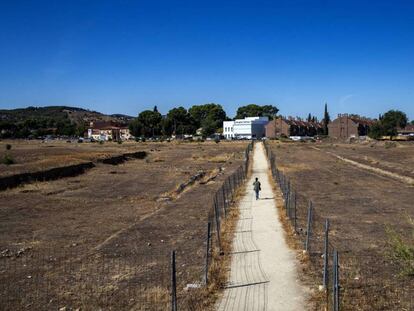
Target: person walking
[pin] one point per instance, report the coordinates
(256, 187)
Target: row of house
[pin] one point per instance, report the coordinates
(108, 130)
(349, 125)
(343, 127)
(292, 127)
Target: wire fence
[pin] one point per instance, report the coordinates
(349, 280)
(46, 282)
(137, 278)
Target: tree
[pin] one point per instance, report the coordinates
(309, 117)
(178, 121)
(209, 115)
(254, 110)
(326, 120)
(148, 124)
(392, 120)
(155, 108)
(209, 127)
(412, 122)
(135, 127)
(376, 130)
(388, 124)
(80, 130)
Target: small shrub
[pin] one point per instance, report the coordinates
(101, 142)
(119, 142)
(216, 140)
(402, 252)
(8, 159)
(390, 144)
(8, 147)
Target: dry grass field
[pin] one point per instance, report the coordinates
(369, 214)
(113, 226)
(35, 155)
(396, 157)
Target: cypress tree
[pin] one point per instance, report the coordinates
(326, 120)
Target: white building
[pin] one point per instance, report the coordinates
(247, 128)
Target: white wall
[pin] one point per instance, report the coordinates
(245, 128)
(228, 129)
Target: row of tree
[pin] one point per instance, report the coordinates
(207, 118)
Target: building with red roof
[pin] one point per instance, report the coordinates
(287, 127)
(349, 125)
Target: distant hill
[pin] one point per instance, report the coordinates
(59, 120)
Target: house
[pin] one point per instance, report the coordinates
(407, 131)
(247, 128)
(288, 127)
(108, 130)
(349, 126)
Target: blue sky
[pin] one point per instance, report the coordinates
(127, 56)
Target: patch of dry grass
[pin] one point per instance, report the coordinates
(205, 298)
(222, 158)
(294, 167)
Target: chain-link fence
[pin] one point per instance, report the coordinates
(140, 278)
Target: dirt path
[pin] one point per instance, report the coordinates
(263, 270)
(405, 179)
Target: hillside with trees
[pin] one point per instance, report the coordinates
(52, 120)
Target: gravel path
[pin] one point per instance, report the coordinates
(263, 269)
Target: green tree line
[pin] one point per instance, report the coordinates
(179, 121)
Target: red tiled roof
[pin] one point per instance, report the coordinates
(362, 121)
(302, 123)
(408, 129)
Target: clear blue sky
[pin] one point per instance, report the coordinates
(127, 56)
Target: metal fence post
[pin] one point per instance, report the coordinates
(334, 297)
(217, 227)
(308, 227)
(173, 283)
(207, 252)
(294, 215)
(326, 256)
(231, 188)
(287, 199)
(224, 198)
(336, 281)
(232, 184)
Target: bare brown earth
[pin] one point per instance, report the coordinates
(360, 205)
(396, 157)
(112, 227)
(36, 155)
